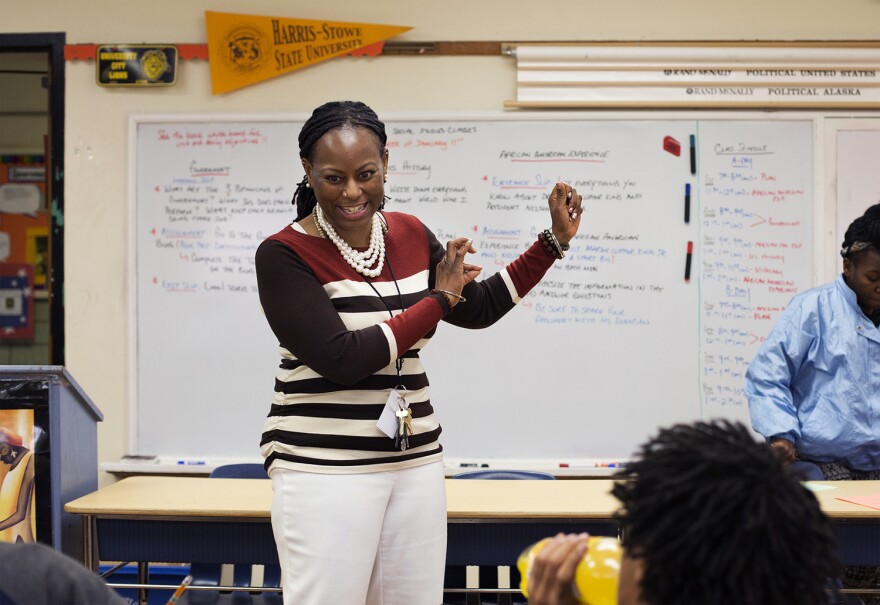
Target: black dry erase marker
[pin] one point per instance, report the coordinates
(693, 155)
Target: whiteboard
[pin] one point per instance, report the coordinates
(611, 345)
(858, 181)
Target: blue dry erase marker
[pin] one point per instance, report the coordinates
(687, 203)
(191, 462)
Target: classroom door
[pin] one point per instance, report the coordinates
(31, 191)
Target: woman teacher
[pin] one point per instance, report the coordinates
(353, 293)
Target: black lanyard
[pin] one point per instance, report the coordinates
(398, 363)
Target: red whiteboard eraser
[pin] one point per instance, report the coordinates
(671, 145)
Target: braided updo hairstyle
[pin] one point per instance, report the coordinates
(327, 117)
(717, 518)
(862, 234)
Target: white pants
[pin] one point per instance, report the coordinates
(371, 538)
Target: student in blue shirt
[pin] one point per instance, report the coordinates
(814, 386)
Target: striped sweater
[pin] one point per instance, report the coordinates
(339, 342)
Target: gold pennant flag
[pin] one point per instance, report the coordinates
(246, 49)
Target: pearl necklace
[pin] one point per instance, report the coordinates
(359, 261)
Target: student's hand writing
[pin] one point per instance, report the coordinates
(552, 571)
(784, 449)
(565, 211)
(452, 272)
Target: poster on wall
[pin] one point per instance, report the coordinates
(37, 254)
(16, 301)
(24, 221)
(17, 493)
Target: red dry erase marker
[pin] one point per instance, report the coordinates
(687, 262)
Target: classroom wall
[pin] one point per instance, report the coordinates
(97, 145)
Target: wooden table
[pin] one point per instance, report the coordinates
(197, 497)
(227, 520)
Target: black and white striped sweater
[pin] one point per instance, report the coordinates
(339, 342)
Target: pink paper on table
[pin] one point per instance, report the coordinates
(872, 501)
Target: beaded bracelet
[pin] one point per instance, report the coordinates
(551, 244)
(458, 296)
(542, 237)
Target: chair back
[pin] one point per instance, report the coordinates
(501, 576)
(806, 471)
(246, 470)
(208, 574)
(501, 474)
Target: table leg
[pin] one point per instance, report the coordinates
(143, 578)
(90, 557)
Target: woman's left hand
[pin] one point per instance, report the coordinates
(565, 212)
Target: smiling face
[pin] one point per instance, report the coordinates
(862, 273)
(347, 172)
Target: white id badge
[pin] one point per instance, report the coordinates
(389, 423)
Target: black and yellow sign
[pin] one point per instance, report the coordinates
(136, 65)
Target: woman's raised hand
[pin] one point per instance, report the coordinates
(565, 212)
(453, 273)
